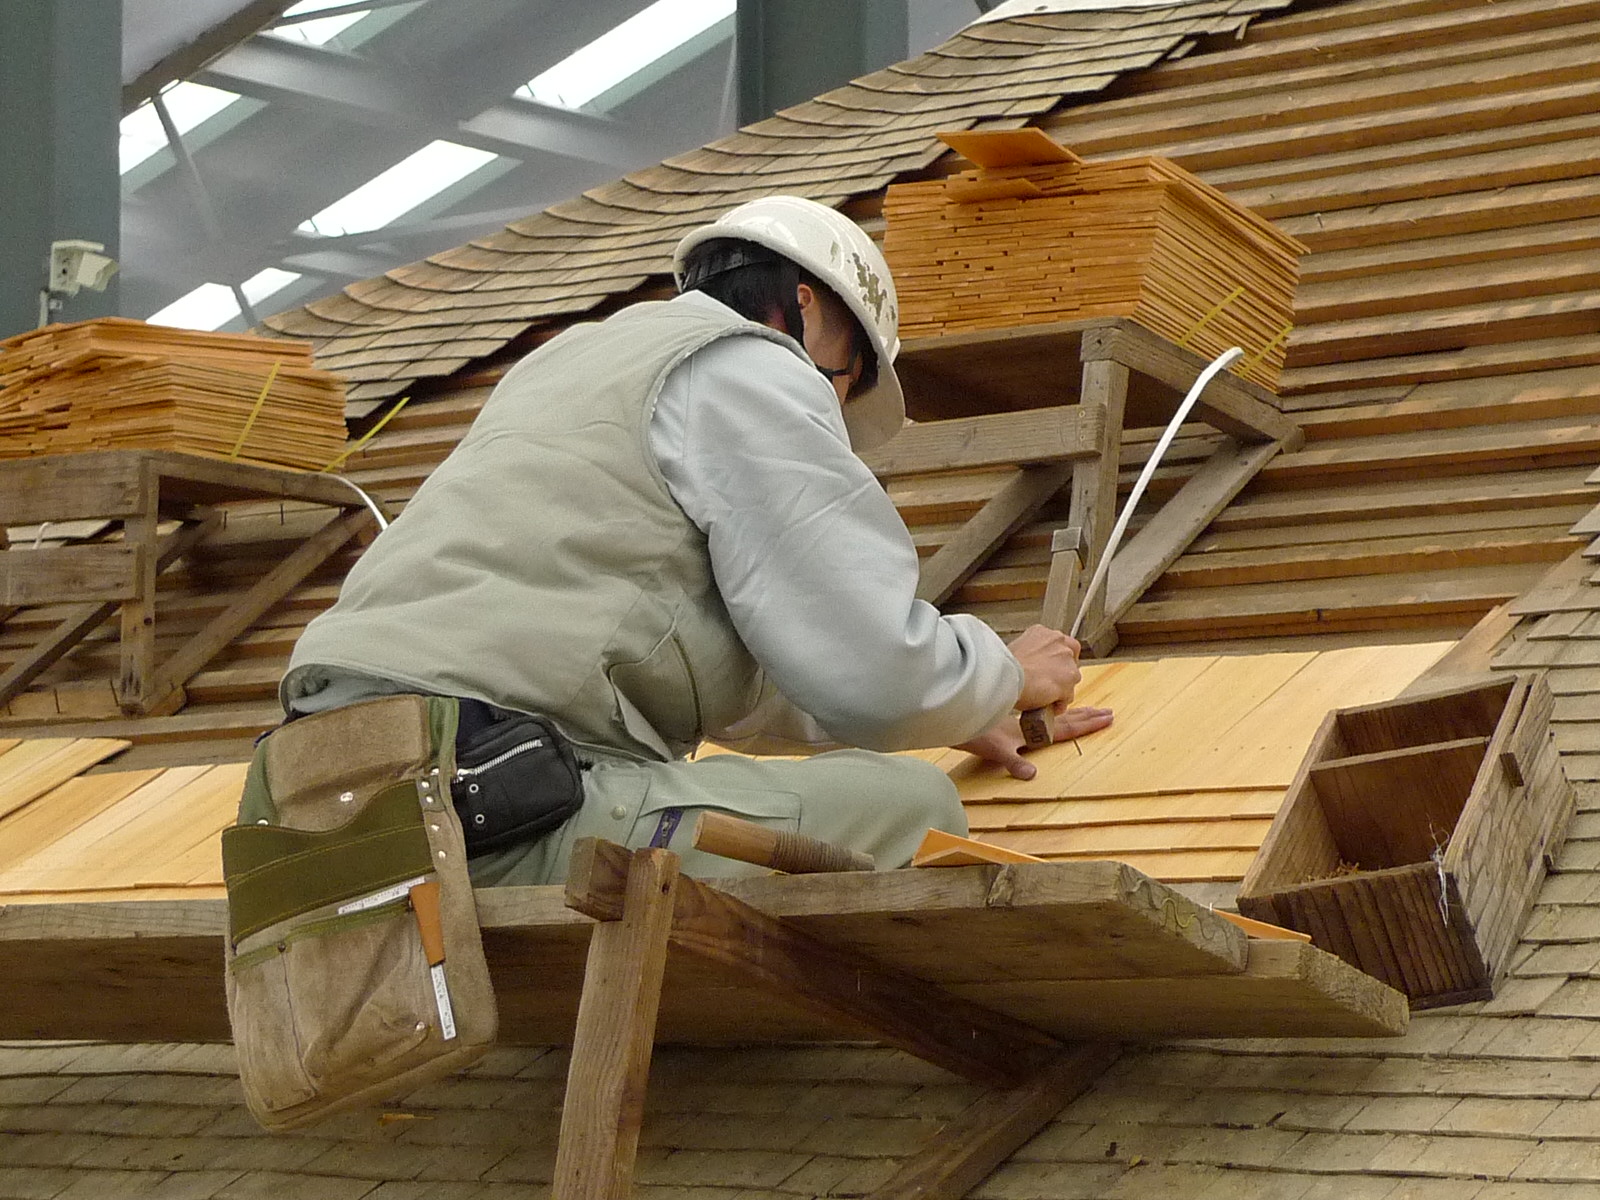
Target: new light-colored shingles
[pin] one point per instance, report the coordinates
(1184, 783)
(120, 834)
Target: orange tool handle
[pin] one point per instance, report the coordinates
(425, 904)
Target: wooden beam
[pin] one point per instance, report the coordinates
(202, 480)
(1169, 533)
(1235, 406)
(213, 43)
(69, 574)
(1013, 506)
(967, 1150)
(243, 612)
(69, 488)
(1071, 432)
(139, 612)
(610, 1067)
(1068, 549)
(900, 1009)
(1094, 484)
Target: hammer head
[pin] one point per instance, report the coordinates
(1038, 729)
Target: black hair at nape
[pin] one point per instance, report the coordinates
(753, 281)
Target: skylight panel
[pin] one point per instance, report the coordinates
(188, 103)
(212, 305)
(321, 31)
(643, 39)
(406, 185)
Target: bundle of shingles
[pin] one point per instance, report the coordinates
(1035, 234)
(114, 383)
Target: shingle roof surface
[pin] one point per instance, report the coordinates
(431, 318)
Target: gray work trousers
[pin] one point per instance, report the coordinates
(856, 798)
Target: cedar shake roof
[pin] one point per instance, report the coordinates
(1440, 159)
(432, 318)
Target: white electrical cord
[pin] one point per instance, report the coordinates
(1226, 358)
(377, 512)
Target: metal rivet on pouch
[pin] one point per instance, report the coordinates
(263, 821)
(478, 820)
(472, 788)
(346, 797)
(441, 854)
(619, 812)
(421, 1025)
(435, 828)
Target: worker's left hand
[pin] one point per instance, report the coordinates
(1002, 743)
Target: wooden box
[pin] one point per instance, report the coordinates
(1035, 234)
(1415, 836)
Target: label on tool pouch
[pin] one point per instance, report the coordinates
(441, 997)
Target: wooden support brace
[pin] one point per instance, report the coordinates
(967, 1150)
(1009, 509)
(1069, 547)
(1094, 484)
(604, 1103)
(1063, 434)
(238, 616)
(1233, 405)
(894, 1007)
(1169, 533)
(135, 676)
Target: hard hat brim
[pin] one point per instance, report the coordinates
(876, 415)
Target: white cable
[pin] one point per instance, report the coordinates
(371, 503)
(1217, 364)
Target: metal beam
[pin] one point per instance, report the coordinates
(361, 6)
(218, 40)
(345, 264)
(60, 72)
(460, 225)
(372, 94)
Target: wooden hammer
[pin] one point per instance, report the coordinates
(780, 849)
(1038, 727)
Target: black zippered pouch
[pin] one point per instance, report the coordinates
(516, 777)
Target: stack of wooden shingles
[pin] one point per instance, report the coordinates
(1036, 234)
(119, 384)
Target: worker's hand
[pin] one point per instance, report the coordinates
(1002, 742)
(1049, 660)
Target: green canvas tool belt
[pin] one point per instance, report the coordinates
(355, 968)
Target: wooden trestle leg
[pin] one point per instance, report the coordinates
(604, 1103)
(644, 907)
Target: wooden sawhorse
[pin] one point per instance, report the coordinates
(1056, 399)
(139, 490)
(644, 906)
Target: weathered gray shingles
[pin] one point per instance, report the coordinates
(1490, 1096)
(1491, 1100)
(849, 142)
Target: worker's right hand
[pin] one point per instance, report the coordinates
(1049, 661)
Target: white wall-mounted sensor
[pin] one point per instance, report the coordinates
(77, 264)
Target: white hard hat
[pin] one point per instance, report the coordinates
(832, 247)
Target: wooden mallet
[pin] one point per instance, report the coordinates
(780, 849)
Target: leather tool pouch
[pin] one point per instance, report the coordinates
(355, 968)
(516, 777)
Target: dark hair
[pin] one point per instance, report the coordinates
(753, 281)
(756, 283)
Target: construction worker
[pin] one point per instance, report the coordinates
(658, 530)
